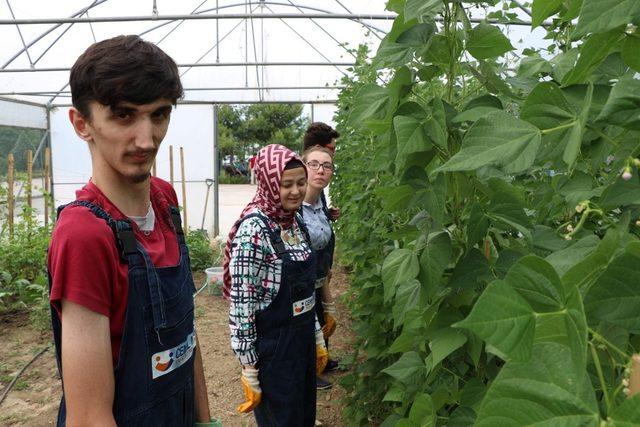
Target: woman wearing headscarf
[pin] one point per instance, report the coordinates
(269, 278)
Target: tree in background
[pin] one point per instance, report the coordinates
(243, 130)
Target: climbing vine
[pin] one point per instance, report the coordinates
(491, 208)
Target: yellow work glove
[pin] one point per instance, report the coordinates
(251, 389)
(322, 355)
(329, 319)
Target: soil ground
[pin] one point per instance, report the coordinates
(34, 399)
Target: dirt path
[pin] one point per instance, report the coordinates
(34, 399)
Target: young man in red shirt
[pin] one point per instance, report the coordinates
(120, 280)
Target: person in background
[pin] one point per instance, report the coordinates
(269, 278)
(252, 163)
(121, 289)
(319, 165)
(322, 135)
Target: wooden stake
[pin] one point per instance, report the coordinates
(47, 167)
(10, 205)
(29, 177)
(184, 192)
(171, 164)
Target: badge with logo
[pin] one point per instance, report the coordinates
(304, 305)
(166, 361)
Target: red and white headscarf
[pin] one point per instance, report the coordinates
(269, 167)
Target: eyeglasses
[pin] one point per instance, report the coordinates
(315, 165)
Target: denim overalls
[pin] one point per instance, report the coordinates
(286, 343)
(324, 262)
(154, 374)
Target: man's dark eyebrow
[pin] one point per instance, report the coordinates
(123, 109)
(163, 109)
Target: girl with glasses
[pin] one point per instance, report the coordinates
(317, 218)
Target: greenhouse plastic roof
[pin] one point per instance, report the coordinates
(258, 51)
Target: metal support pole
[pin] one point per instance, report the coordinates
(216, 174)
(313, 111)
(142, 18)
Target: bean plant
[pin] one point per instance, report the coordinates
(491, 208)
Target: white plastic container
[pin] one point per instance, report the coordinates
(214, 279)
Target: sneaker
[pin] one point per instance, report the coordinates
(332, 365)
(322, 384)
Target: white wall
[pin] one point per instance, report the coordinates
(191, 127)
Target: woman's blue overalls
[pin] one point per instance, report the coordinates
(154, 374)
(286, 343)
(324, 262)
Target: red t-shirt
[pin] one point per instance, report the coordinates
(84, 263)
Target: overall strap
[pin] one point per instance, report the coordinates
(325, 206)
(304, 229)
(122, 231)
(176, 220)
(276, 240)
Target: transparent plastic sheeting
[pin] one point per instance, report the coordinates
(191, 127)
(19, 114)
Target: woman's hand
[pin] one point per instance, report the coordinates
(251, 389)
(334, 214)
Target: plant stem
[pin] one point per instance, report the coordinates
(606, 342)
(557, 128)
(603, 385)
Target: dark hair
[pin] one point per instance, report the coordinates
(123, 68)
(294, 163)
(319, 133)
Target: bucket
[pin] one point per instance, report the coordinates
(214, 279)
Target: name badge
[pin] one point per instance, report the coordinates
(166, 361)
(304, 305)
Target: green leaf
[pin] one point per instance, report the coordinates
(407, 297)
(497, 139)
(627, 414)
(542, 9)
(472, 393)
(371, 103)
(477, 225)
(592, 53)
(599, 16)
(545, 390)
(470, 268)
(395, 198)
(621, 193)
(615, 296)
(434, 259)
(417, 35)
(533, 66)
(566, 258)
(422, 412)
(623, 104)
(411, 137)
(462, 417)
(417, 9)
(487, 41)
(437, 124)
(394, 394)
(563, 63)
(445, 342)
(399, 266)
(403, 343)
(630, 51)
(574, 141)
(405, 369)
(537, 281)
(473, 114)
(504, 320)
(582, 274)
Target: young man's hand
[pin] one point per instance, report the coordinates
(334, 214)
